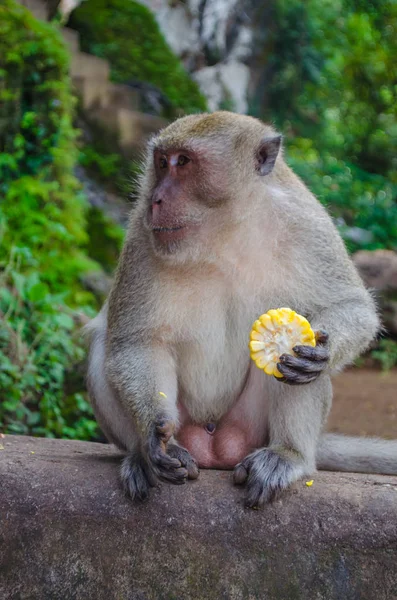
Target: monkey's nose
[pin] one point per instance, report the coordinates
(155, 209)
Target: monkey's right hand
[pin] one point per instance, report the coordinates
(157, 459)
(163, 463)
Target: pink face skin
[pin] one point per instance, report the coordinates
(170, 214)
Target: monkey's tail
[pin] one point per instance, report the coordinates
(356, 455)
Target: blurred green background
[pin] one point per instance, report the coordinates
(325, 72)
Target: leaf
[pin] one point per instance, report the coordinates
(37, 292)
(64, 321)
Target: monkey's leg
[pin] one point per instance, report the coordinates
(296, 416)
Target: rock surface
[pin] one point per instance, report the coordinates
(67, 532)
(378, 269)
(216, 41)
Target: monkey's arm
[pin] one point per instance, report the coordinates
(343, 332)
(351, 325)
(144, 380)
(340, 310)
(140, 368)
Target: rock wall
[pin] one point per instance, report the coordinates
(116, 107)
(378, 270)
(216, 41)
(67, 532)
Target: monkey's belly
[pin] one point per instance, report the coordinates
(237, 433)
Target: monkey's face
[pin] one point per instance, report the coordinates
(204, 173)
(182, 201)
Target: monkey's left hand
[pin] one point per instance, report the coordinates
(308, 364)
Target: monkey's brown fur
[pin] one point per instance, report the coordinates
(222, 231)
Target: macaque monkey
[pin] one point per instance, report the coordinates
(223, 231)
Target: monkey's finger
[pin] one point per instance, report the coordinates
(318, 353)
(280, 379)
(240, 474)
(176, 476)
(303, 364)
(164, 461)
(185, 458)
(258, 494)
(192, 470)
(293, 377)
(321, 337)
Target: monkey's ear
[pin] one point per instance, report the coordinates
(267, 154)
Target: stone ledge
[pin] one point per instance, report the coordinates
(67, 532)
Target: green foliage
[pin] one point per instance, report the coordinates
(105, 166)
(361, 199)
(42, 233)
(334, 88)
(294, 60)
(336, 77)
(126, 33)
(105, 239)
(386, 354)
(38, 347)
(41, 203)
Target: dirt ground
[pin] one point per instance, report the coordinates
(365, 403)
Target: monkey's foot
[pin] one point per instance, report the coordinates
(267, 472)
(185, 458)
(137, 477)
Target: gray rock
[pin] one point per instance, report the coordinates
(358, 235)
(378, 269)
(97, 282)
(214, 39)
(67, 532)
(114, 207)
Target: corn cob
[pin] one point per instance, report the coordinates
(276, 333)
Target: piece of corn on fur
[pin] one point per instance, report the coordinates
(276, 333)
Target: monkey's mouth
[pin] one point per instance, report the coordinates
(168, 235)
(167, 229)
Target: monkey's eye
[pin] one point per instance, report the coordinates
(163, 163)
(183, 160)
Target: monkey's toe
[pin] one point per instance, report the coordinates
(240, 474)
(268, 473)
(136, 477)
(185, 458)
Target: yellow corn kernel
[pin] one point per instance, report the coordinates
(310, 483)
(276, 333)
